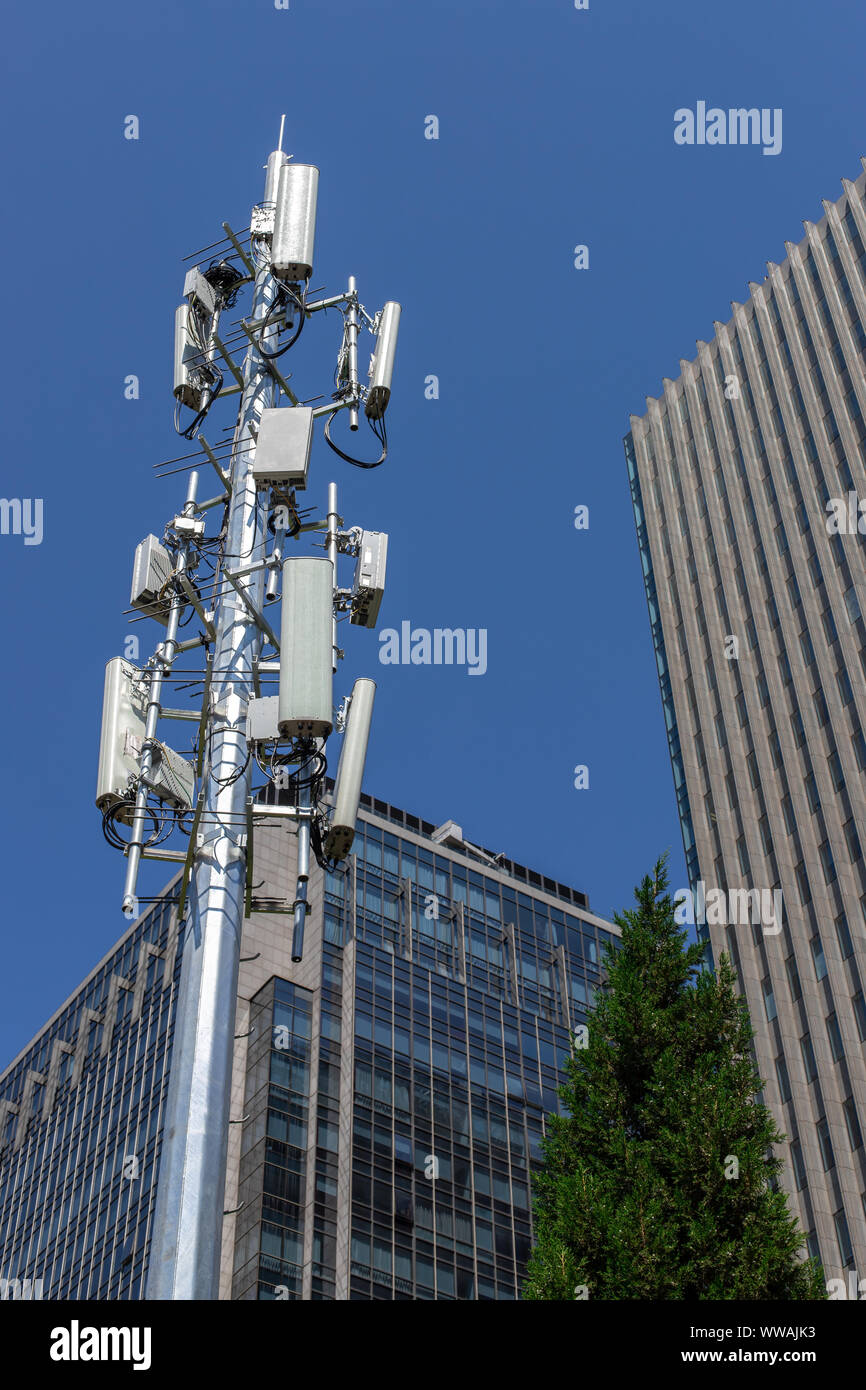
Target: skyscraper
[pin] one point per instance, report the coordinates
(745, 477)
(389, 1091)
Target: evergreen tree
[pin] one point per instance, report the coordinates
(659, 1180)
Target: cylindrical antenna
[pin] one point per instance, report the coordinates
(282, 128)
(350, 772)
(382, 365)
(272, 178)
(294, 221)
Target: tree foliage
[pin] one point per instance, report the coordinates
(659, 1181)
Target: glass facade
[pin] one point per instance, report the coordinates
(465, 994)
(269, 1255)
(80, 1125)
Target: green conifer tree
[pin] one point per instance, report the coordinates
(660, 1180)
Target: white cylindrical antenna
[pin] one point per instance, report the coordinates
(282, 128)
(275, 163)
(382, 365)
(350, 772)
(274, 570)
(295, 222)
(273, 585)
(187, 358)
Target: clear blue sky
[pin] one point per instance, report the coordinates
(556, 128)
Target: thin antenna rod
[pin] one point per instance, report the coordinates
(282, 128)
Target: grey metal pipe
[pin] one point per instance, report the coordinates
(333, 523)
(300, 914)
(352, 339)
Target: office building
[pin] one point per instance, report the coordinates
(745, 474)
(389, 1091)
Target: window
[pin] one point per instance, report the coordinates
(823, 1132)
(783, 1080)
(851, 603)
(835, 765)
(859, 1005)
(763, 690)
(852, 840)
(835, 1036)
(766, 837)
(843, 936)
(843, 1236)
(793, 978)
(808, 1058)
(829, 626)
(769, 1000)
(818, 958)
(803, 883)
(855, 1134)
(785, 668)
(799, 1165)
(844, 683)
(827, 863)
(740, 704)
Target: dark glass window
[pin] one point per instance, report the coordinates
(824, 1144)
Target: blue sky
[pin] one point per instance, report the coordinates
(555, 129)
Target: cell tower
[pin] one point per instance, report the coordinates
(230, 581)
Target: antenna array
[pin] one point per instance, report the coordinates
(259, 687)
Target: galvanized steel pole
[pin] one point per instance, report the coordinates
(187, 1234)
